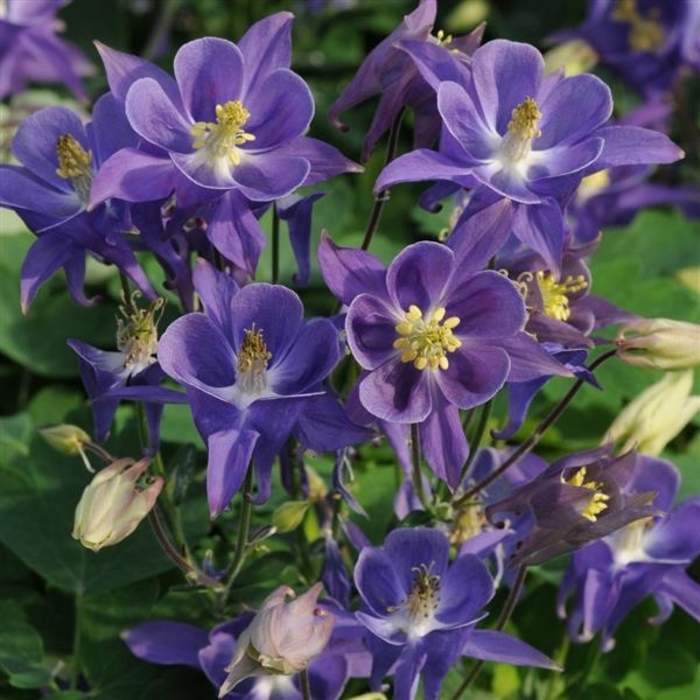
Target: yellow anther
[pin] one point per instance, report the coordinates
(223, 138)
(74, 164)
(442, 38)
(137, 332)
(592, 185)
(426, 342)
(598, 501)
(522, 130)
(555, 295)
(253, 356)
(645, 33)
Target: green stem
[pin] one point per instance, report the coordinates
(383, 196)
(416, 473)
(536, 436)
(243, 531)
(503, 618)
(126, 293)
(161, 29)
(275, 245)
(76, 667)
(477, 438)
(305, 685)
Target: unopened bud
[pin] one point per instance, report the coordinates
(282, 638)
(317, 486)
(659, 343)
(114, 503)
(574, 57)
(289, 515)
(65, 438)
(657, 415)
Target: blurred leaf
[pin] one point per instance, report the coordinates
(15, 432)
(21, 649)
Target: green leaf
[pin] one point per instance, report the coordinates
(21, 649)
(15, 432)
(37, 502)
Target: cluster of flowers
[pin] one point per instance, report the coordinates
(185, 167)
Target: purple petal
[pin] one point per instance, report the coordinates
(20, 190)
(266, 46)
(563, 160)
(264, 177)
(378, 581)
(133, 176)
(683, 591)
(418, 166)
(155, 118)
(209, 72)
(326, 161)
(631, 145)
(216, 290)
(397, 392)
(230, 452)
(529, 360)
(541, 226)
(504, 73)
(676, 537)
(272, 309)
(371, 331)
(491, 645)
(419, 274)
(349, 272)
(561, 123)
(162, 642)
(460, 604)
(443, 442)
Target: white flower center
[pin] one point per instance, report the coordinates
(415, 616)
(75, 164)
(522, 130)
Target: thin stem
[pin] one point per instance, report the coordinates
(477, 438)
(77, 632)
(305, 685)
(190, 571)
(243, 531)
(536, 436)
(416, 473)
(160, 31)
(503, 618)
(275, 245)
(383, 196)
(126, 293)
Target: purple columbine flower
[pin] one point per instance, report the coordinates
(421, 611)
(515, 133)
(646, 42)
(234, 118)
(648, 557)
(249, 364)
(578, 499)
(165, 642)
(30, 51)
(50, 191)
(390, 72)
(430, 335)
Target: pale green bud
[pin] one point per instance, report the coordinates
(114, 503)
(65, 438)
(657, 415)
(659, 343)
(573, 57)
(289, 515)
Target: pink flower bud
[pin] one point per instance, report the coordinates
(114, 503)
(282, 638)
(660, 343)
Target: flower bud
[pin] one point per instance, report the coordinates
(657, 415)
(114, 503)
(289, 515)
(282, 638)
(574, 57)
(65, 438)
(659, 343)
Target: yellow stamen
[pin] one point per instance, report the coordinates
(522, 130)
(74, 164)
(645, 33)
(137, 332)
(254, 355)
(223, 138)
(598, 501)
(592, 185)
(426, 342)
(555, 295)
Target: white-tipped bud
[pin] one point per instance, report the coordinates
(657, 415)
(660, 343)
(114, 503)
(65, 438)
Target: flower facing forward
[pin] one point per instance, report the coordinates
(421, 610)
(114, 503)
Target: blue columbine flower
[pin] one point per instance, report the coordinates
(515, 133)
(249, 364)
(648, 557)
(420, 611)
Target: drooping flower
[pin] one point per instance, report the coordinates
(578, 499)
(648, 557)
(512, 132)
(344, 657)
(114, 503)
(389, 71)
(30, 51)
(262, 363)
(421, 611)
(430, 335)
